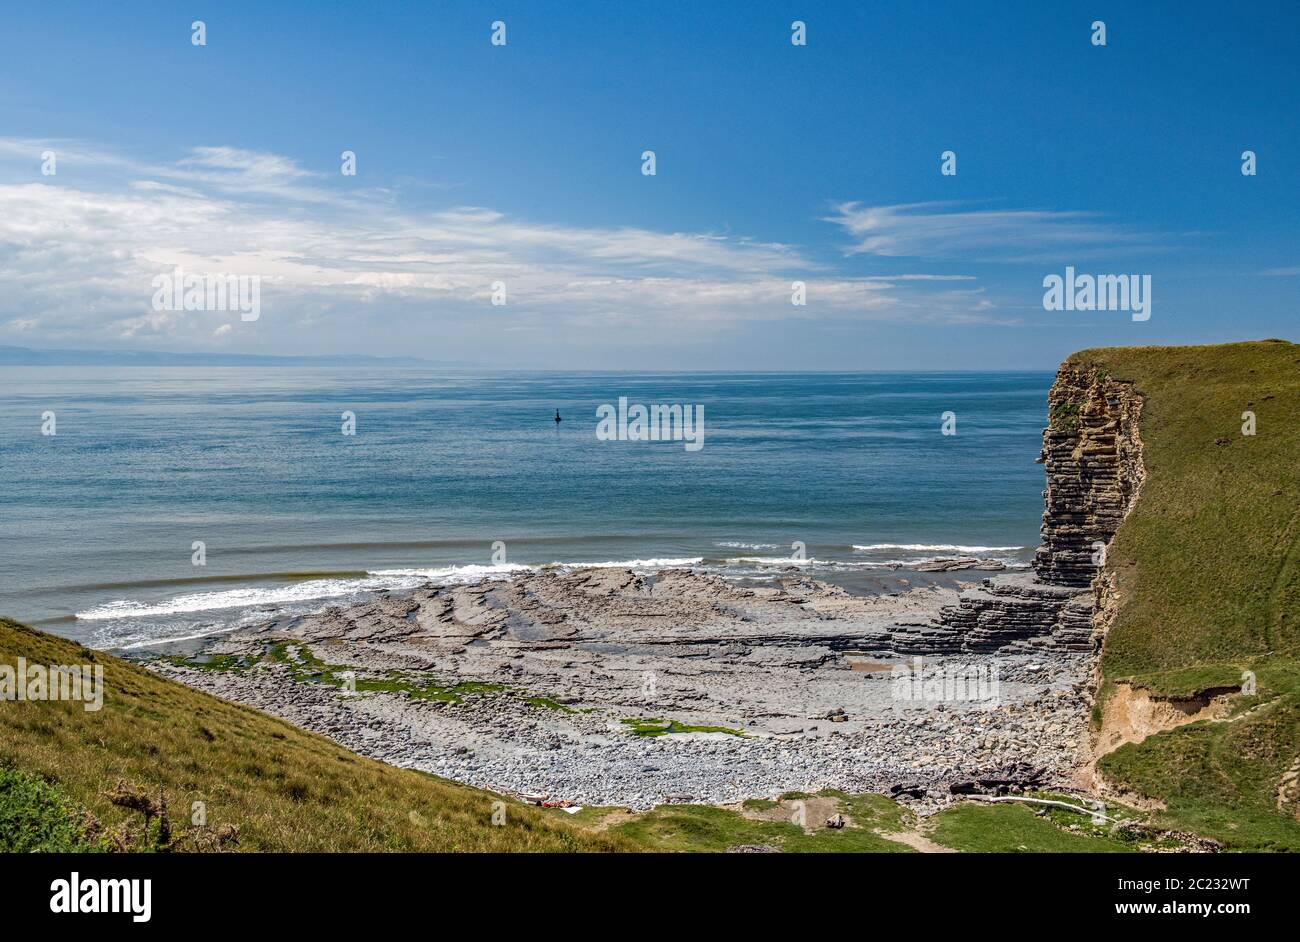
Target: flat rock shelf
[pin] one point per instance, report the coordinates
(616, 687)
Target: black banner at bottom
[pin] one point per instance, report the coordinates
(329, 892)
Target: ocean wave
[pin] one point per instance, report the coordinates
(472, 572)
(743, 564)
(669, 563)
(776, 561)
(319, 589)
(315, 590)
(735, 544)
(468, 573)
(245, 598)
(936, 547)
(908, 563)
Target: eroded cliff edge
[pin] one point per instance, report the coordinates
(1092, 453)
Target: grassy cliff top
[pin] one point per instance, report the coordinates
(1207, 567)
(1208, 562)
(283, 788)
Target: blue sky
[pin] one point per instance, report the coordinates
(775, 163)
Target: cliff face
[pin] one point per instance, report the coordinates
(1093, 458)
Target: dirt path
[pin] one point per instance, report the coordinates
(917, 841)
(1288, 788)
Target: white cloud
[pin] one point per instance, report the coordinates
(78, 259)
(937, 230)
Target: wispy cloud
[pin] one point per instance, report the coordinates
(78, 253)
(940, 230)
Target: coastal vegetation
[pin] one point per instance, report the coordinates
(305, 667)
(1207, 585)
(833, 821)
(267, 784)
(652, 726)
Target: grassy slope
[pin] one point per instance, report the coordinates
(286, 789)
(1208, 569)
(290, 790)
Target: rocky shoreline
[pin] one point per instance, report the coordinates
(562, 685)
(632, 688)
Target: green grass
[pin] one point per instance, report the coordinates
(1187, 682)
(1064, 416)
(975, 827)
(702, 828)
(1207, 565)
(284, 788)
(1014, 828)
(650, 726)
(1209, 558)
(307, 668)
(36, 816)
(877, 811)
(1220, 779)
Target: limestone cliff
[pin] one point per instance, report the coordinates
(1092, 453)
(1093, 457)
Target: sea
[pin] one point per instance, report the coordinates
(140, 505)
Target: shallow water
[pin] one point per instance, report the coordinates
(98, 522)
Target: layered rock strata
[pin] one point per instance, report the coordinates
(1092, 454)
